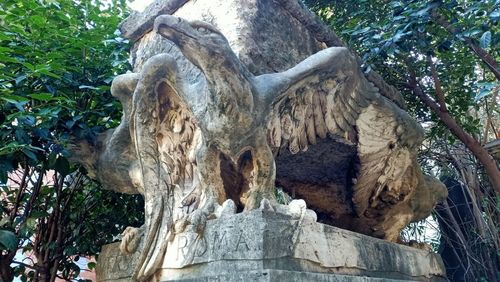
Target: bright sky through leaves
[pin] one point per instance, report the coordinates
(139, 5)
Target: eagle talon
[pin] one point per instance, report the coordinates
(130, 239)
(297, 209)
(228, 208)
(266, 205)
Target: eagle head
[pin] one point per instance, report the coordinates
(200, 42)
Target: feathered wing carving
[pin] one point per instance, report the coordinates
(388, 141)
(178, 138)
(165, 137)
(335, 100)
(325, 102)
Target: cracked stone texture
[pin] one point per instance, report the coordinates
(278, 248)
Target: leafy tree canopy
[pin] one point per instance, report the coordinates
(395, 37)
(57, 60)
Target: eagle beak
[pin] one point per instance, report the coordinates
(172, 28)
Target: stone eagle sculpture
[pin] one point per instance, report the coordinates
(222, 145)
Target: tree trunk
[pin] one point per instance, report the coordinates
(6, 273)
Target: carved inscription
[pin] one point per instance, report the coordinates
(241, 241)
(218, 240)
(215, 243)
(190, 248)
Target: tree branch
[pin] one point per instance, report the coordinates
(437, 85)
(472, 144)
(34, 193)
(19, 194)
(34, 267)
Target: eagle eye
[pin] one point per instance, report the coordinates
(202, 29)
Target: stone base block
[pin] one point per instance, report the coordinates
(266, 246)
(273, 275)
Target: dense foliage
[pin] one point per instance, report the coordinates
(442, 56)
(57, 59)
(394, 37)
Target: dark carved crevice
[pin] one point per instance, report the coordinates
(236, 177)
(322, 176)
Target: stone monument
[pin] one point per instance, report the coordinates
(229, 99)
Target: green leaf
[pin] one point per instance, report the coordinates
(28, 65)
(47, 72)
(62, 165)
(471, 33)
(13, 98)
(20, 78)
(8, 240)
(38, 214)
(5, 49)
(41, 96)
(10, 148)
(7, 59)
(30, 224)
(485, 40)
(87, 87)
(38, 20)
(51, 160)
(22, 136)
(360, 31)
(29, 154)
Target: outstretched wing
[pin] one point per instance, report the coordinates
(322, 96)
(325, 103)
(327, 96)
(164, 135)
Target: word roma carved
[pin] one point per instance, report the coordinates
(217, 245)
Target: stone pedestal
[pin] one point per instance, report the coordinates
(266, 246)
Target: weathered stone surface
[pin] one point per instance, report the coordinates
(137, 24)
(255, 29)
(113, 265)
(493, 148)
(219, 111)
(278, 248)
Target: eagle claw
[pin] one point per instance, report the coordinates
(130, 239)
